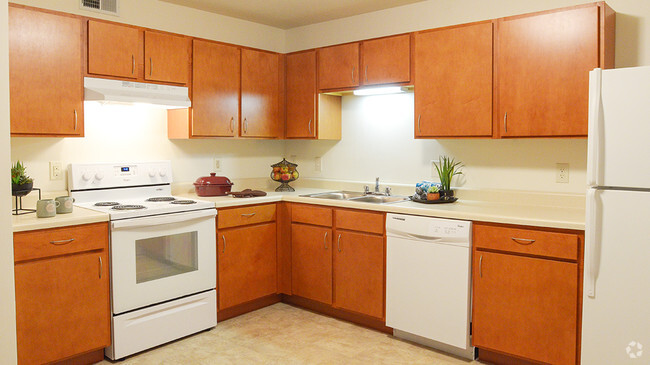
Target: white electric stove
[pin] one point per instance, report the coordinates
(162, 253)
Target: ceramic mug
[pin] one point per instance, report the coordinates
(46, 208)
(65, 204)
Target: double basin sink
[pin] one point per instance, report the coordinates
(356, 196)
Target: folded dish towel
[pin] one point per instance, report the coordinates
(246, 193)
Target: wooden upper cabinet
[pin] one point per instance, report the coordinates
(301, 95)
(338, 66)
(453, 81)
(113, 49)
(215, 89)
(543, 63)
(45, 73)
(166, 57)
(260, 94)
(386, 60)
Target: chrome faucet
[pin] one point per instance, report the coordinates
(377, 186)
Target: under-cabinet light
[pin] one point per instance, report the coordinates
(379, 90)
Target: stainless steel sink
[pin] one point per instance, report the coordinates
(380, 199)
(336, 195)
(358, 197)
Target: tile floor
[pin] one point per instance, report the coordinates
(282, 334)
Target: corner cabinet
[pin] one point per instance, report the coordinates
(45, 73)
(543, 62)
(453, 81)
(309, 115)
(526, 293)
(62, 292)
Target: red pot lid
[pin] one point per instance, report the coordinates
(213, 180)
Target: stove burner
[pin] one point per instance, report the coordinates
(106, 204)
(183, 202)
(161, 199)
(128, 207)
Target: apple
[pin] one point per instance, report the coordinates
(284, 169)
(294, 174)
(276, 176)
(276, 169)
(285, 177)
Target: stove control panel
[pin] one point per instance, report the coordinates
(115, 175)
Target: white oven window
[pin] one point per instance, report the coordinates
(165, 256)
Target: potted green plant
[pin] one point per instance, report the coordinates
(21, 184)
(433, 193)
(447, 168)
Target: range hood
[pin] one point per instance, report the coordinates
(170, 97)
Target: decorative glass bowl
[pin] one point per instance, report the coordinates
(284, 172)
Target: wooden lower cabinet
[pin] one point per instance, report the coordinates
(62, 301)
(359, 273)
(246, 261)
(524, 306)
(311, 262)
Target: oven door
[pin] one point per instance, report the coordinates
(159, 258)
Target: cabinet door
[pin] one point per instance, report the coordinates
(301, 95)
(386, 60)
(113, 49)
(45, 73)
(525, 306)
(166, 57)
(359, 273)
(453, 81)
(311, 262)
(260, 94)
(215, 90)
(338, 66)
(543, 64)
(246, 264)
(62, 307)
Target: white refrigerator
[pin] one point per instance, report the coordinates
(616, 299)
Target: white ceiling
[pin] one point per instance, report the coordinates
(288, 14)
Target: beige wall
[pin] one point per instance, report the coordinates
(7, 307)
(178, 19)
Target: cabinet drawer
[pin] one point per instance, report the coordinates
(320, 216)
(360, 221)
(527, 241)
(246, 215)
(60, 241)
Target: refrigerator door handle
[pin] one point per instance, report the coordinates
(594, 121)
(592, 242)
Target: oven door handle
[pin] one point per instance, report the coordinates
(163, 219)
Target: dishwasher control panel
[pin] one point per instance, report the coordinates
(428, 227)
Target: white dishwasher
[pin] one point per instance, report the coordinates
(428, 282)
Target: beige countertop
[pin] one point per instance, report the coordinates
(30, 222)
(564, 211)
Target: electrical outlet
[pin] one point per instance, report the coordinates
(217, 164)
(56, 171)
(318, 167)
(434, 172)
(562, 173)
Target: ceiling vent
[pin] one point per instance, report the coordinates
(101, 6)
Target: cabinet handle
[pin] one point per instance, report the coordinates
(523, 241)
(232, 124)
(192, 119)
(61, 242)
(366, 73)
(419, 129)
(223, 250)
(150, 66)
(133, 64)
(338, 243)
(325, 239)
(75, 119)
(245, 126)
(309, 126)
(247, 214)
(353, 74)
(101, 267)
(480, 266)
(505, 122)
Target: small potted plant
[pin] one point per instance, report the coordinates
(21, 184)
(433, 193)
(447, 168)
